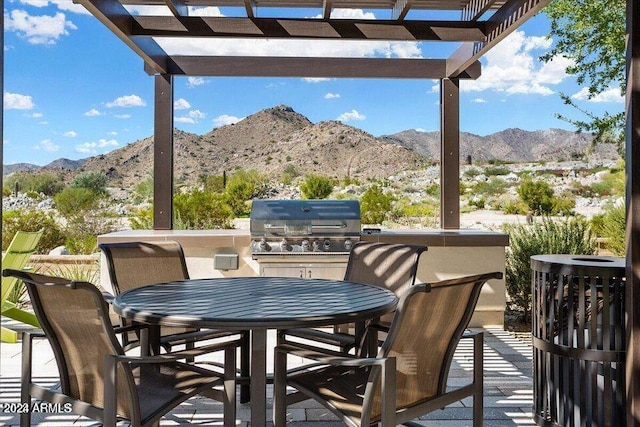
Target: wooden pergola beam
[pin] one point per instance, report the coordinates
(400, 9)
(246, 66)
(475, 9)
(117, 19)
(273, 28)
(178, 8)
(502, 23)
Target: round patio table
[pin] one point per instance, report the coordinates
(255, 304)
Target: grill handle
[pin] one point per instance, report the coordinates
(314, 226)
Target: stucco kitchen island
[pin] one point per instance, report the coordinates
(451, 253)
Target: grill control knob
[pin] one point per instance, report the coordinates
(263, 245)
(305, 245)
(326, 245)
(316, 245)
(348, 244)
(284, 244)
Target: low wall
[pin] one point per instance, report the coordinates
(450, 254)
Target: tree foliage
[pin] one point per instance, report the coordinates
(201, 210)
(592, 34)
(537, 195)
(375, 205)
(39, 182)
(32, 220)
(94, 181)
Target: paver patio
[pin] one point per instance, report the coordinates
(507, 397)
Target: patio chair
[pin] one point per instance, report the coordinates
(135, 264)
(391, 266)
(408, 378)
(97, 379)
(16, 256)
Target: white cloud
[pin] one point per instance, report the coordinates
(290, 48)
(16, 101)
(185, 119)
(97, 147)
(47, 145)
(350, 116)
(332, 95)
(38, 29)
(71, 134)
(479, 100)
(512, 67)
(315, 79)
(181, 104)
(612, 94)
(122, 116)
(35, 3)
(204, 11)
(192, 117)
(112, 133)
(37, 115)
(195, 81)
(93, 113)
(70, 6)
(420, 130)
(197, 114)
(127, 101)
(225, 119)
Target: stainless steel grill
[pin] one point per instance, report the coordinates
(304, 227)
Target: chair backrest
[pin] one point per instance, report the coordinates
(17, 255)
(388, 265)
(425, 331)
(74, 318)
(135, 264)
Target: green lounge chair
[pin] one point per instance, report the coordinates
(16, 257)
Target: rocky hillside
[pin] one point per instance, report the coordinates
(515, 145)
(279, 139)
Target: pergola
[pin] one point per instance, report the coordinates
(475, 26)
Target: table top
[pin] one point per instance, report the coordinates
(254, 303)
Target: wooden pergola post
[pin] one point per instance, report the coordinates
(163, 154)
(633, 213)
(449, 153)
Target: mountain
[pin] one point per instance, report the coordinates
(19, 167)
(514, 145)
(278, 140)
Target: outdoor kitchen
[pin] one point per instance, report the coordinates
(311, 238)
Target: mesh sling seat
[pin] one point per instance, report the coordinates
(135, 264)
(22, 246)
(391, 266)
(408, 378)
(97, 379)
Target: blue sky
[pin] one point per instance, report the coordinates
(72, 89)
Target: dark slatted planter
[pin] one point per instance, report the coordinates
(578, 340)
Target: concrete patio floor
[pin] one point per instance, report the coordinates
(507, 397)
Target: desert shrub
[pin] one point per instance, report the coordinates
(143, 191)
(612, 184)
(32, 220)
(496, 170)
(40, 182)
(289, 174)
(316, 187)
(563, 204)
(141, 219)
(6, 192)
(201, 210)
(612, 226)
(472, 172)
(213, 183)
(432, 190)
(570, 236)
(493, 187)
(81, 231)
(375, 205)
(94, 181)
(243, 186)
(477, 202)
(537, 195)
(74, 200)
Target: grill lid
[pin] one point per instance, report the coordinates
(305, 217)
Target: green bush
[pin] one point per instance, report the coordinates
(375, 205)
(141, 219)
(511, 206)
(495, 186)
(612, 184)
(612, 226)
(201, 210)
(32, 220)
(289, 174)
(496, 170)
(40, 182)
(316, 187)
(143, 191)
(472, 172)
(537, 195)
(570, 236)
(81, 231)
(243, 186)
(563, 204)
(74, 200)
(94, 181)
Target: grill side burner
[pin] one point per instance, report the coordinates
(304, 227)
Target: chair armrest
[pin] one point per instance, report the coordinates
(177, 355)
(327, 357)
(108, 297)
